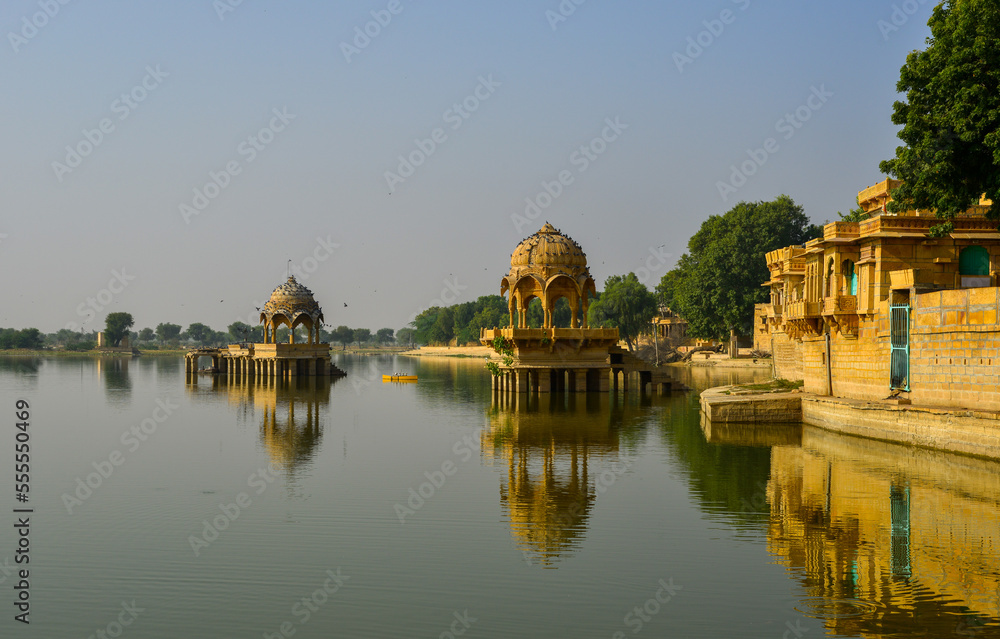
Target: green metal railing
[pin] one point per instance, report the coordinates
(899, 340)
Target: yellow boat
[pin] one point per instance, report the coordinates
(399, 378)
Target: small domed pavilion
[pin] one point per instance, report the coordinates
(291, 305)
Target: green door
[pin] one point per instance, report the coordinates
(974, 260)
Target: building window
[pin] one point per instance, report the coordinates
(974, 267)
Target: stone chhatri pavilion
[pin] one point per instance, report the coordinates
(550, 266)
(291, 305)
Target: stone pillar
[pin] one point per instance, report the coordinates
(613, 376)
(581, 381)
(544, 384)
(523, 385)
(603, 382)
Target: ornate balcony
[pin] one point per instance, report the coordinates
(840, 304)
(801, 309)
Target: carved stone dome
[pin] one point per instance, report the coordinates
(548, 247)
(291, 300)
(548, 266)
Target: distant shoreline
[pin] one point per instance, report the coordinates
(449, 351)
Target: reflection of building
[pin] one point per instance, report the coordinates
(291, 305)
(550, 266)
(290, 415)
(887, 538)
(558, 456)
(881, 304)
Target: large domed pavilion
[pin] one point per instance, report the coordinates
(548, 265)
(292, 305)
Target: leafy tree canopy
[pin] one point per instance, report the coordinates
(116, 327)
(951, 115)
(625, 303)
(167, 332)
(384, 335)
(717, 282)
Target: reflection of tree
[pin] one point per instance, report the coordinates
(888, 539)
(20, 365)
(730, 480)
(114, 372)
(555, 448)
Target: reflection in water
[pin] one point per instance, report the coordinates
(559, 451)
(286, 412)
(888, 539)
(113, 371)
(20, 366)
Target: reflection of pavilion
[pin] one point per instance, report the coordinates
(291, 305)
(913, 534)
(288, 414)
(549, 445)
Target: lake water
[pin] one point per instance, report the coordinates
(362, 509)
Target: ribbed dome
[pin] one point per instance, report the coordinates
(548, 247)
(290, 299)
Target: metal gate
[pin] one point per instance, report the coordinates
(899, 340)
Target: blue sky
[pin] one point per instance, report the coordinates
(276, 125)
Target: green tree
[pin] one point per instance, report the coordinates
(116, 327)
(167, 332)
(384, 335)
(362, 336)
(717, 282)
(625, 303)
(951, 116)
(405, 335)
(198, 333)
(146, 335)
(444, 327)
(241, 331)
(857, 214)
(344, 335)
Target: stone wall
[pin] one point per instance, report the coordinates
(787, 356)
(955, 348)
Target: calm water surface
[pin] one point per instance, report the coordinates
(362, 509)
